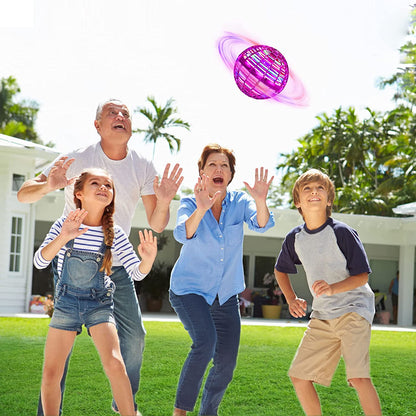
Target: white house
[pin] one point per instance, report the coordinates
(19, 160)
(389, 242)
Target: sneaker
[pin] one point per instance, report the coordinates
(116, 411)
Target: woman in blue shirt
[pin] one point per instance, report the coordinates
(208, 274)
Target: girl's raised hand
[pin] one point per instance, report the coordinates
(70, 227)
(261, 185)
(147, 248)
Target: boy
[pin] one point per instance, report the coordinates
(337, 269)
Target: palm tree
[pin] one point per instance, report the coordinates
(160, 120)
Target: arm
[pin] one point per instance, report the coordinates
(297, 306)
(320, 287)
(157, 205)
(35, 189)
(259, 194)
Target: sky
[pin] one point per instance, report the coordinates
(69, 55)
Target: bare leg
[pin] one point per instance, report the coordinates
(179, 412)
(107, 344)
(367, 395)
(395, 314)
(307, 395)
(57, 347)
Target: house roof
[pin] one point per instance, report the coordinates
(406, 209)
(42, 154)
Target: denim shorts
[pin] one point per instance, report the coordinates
(73, 310)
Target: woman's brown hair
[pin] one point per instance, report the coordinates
(107, 218)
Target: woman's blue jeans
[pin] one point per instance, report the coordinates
(215, 333)
(130, 330)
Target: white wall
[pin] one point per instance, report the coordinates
(15, 287)
(382, 238)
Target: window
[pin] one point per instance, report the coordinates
(246, 267)
(262, 266)
(17, 181)
(16, 244)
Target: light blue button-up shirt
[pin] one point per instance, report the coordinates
(210, 263)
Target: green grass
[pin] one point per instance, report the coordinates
(260, 386)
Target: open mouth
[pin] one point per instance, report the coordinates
(218, 180)
(119, 127)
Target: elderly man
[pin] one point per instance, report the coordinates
(134, 178)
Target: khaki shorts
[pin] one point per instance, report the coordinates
(323, 344)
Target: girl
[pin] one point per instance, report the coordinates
(83, 242)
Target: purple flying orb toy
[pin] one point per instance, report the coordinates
(261, 72)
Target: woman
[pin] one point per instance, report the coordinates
(83, 242)
(208, 274)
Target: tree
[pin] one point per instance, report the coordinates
(160, 120)
(372, 161)
(17, 119)
(405, 78)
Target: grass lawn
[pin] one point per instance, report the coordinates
(260, 386)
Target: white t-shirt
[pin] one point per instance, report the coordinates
(133, 177)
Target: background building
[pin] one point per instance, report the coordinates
(389, 242)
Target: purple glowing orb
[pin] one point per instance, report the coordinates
(261, 75)
(261, 72)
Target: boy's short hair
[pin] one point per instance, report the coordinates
(314, 175)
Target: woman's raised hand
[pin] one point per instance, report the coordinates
(261, 185)
(203, 199)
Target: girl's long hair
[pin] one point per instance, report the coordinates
(107, 218)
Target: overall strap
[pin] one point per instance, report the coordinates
(70, 244)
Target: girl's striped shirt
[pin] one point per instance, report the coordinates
(91, 241)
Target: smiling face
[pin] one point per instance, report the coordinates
(113, 122)
(313, 196)
(217, 168)
(94, 187)
(314, 191)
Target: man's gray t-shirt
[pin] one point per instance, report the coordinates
(133, 177)
(332, 253)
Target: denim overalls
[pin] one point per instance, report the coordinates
(83, 294)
